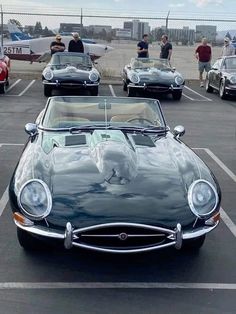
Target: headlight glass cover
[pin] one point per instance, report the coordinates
(93, 76)
(202, 198)
(232, 79)
(134, 78)
(35, 199)
(179, 80)
(48, 74)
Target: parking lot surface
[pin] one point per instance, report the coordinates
(85, 282)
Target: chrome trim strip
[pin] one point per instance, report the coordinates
(69, 235)
(146, 87)
(70, 84)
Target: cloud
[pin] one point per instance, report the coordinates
(176, 5)
(203, 3)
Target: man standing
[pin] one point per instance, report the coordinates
(142, 47)
(57, 45)
(166, 48)
(203, 55)
(228, 49)
(76, 44)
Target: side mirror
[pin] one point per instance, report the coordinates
(179, 131)
(31, 129)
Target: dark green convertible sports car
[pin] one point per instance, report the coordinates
(106, 174)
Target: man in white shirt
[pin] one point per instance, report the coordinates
(228, 49)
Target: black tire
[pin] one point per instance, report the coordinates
(177, 95)
(7, 82)
(222, 90)
(29, 242)
(94, 91)
(47, 90)
(2, 88)
(209, 89)
(131, 92)
(125, 86)
(194, 244)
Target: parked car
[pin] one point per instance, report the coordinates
(152, 75)
(106, 174)
(222, 77)
(4, 73)
(70, 70)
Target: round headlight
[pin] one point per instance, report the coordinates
(179, 80)
(35, 199)
(134, 78)
(93, 76)
(232, 79)
(202, 198)
(48, 74)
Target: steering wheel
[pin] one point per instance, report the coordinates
(139, 120)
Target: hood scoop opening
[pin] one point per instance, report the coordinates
(143, 140)
(73, 140)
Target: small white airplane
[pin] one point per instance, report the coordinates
(23, 47)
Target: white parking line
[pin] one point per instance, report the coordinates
(27, 87)
(13, 85)
(3, 201)
(193, 91)
(112, 91)
(117, 285)
(188, 97)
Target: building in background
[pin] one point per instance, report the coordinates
(208, 31)
(137, 28)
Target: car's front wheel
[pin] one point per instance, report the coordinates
(177, 95)
(29, 242)
(2, 88)
(209, 89)
(47, 90)
(194, 244)
(222, 90)
(125, 86)
(94, 91)
(131, 92)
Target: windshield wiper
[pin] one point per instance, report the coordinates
(141, 129)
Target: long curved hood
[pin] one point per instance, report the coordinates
(156, 75)
(118, 178)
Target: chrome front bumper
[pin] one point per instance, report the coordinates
(71, 236)
(156, 87)
(70, 84)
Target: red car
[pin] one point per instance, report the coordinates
(4, 73)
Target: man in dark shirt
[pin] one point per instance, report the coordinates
(203, 55)
(76, 44)
(166, 48)
(57, 45)
(142, 47)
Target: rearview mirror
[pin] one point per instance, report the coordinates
(179, 131)
(31, 129)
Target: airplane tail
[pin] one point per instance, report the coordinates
(15, 33)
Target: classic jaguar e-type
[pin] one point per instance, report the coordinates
(222, 77)
(106, 174)
(70, 70)
(152, 75)
(4, 72)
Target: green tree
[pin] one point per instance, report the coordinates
(38, 29)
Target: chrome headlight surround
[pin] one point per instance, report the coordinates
(93, 76)
(232, 79)
(35, 199)
(48, 74)
(202, 198)
(134, 78)
(179, 80)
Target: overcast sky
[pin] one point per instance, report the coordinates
(212, 9)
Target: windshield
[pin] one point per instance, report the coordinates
(78, 111)
(230, 63)
(71, 59)
(142, 63)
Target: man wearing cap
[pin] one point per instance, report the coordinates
(76, 45)
(228, 49)
(57, 45)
